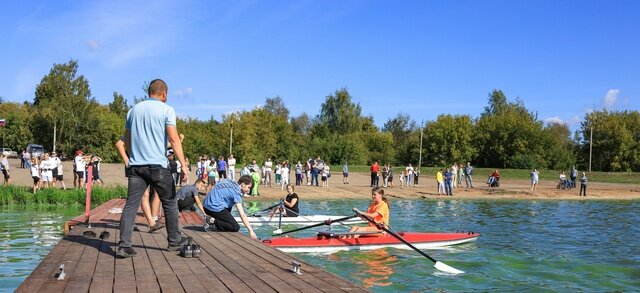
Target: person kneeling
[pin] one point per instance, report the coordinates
(188, 195)
(221, 199)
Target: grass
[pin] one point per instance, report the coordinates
(22, 195)
(483, 173)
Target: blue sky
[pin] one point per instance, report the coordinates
(422, 58)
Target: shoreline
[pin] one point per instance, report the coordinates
(358, 187)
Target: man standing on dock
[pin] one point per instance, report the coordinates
(150, 125)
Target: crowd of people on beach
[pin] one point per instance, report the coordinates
(47, 170)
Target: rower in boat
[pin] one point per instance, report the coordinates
(378, 211)
(289, 207)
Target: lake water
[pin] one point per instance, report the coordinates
(534, 246)
(26, 237)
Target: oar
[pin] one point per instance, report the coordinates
(326, 222)
(438, 265)
(279, 231)
(264, 210)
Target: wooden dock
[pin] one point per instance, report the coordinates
(230, 262)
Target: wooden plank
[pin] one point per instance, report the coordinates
(103, 278)
(247, 261)
(76, 244)
(277, 266)
(320, 279)
(43, 271)
(80, 279)
(224, 256)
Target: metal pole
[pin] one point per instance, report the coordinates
(420, 158)
(231, 139)
(55, 128)
(590, 146)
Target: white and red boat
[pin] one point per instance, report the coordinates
(326, 242)
(259, 220)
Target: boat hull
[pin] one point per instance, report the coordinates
(324, 244)
(260, 220)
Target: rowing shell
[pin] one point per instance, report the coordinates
(328, 242)
(259, 220)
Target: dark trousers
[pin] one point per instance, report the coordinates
(447, 187)
(583, 188)
(298, 179)
(141, 177)
(224, 220)
(186, 203)
(573, 181)
(374, 178)
(222, 174)
(314, 177)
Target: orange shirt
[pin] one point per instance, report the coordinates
(383, 212)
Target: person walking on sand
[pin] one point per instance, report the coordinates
(150, 124)
(583, 184)
(573, 175)
(534, 179)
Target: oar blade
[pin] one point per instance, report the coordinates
(446, 268)
(277, 232)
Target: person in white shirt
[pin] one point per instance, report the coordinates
(5, 168)
(284, 175)
(46, 170)
(80, 169)
(231, 168)
(267, 172)
(409, 175)
(56, 162)
(35, 173)
(178, 180)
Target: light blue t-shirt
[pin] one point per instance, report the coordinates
(147, 122)
(224, 195)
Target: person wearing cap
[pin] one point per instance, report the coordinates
(150, 124)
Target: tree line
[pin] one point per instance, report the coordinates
(64, 114)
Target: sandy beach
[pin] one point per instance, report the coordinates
(358, 187)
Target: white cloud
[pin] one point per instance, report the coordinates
(93, 45)
(610, 99)
(186, 92)
(552, 120)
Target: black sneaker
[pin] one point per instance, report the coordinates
(196, 250)
(124, 252)
(179, 245)
(156, 227)
(186, 251)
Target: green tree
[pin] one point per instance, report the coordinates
(16, 133)
(403, 129)
(61, 106)
(339, 114)
(615, 140)
(508, 135)
(119, 105)
(276, 107)
(449, 139)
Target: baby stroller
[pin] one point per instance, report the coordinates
(493, 181)
(565, 184)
